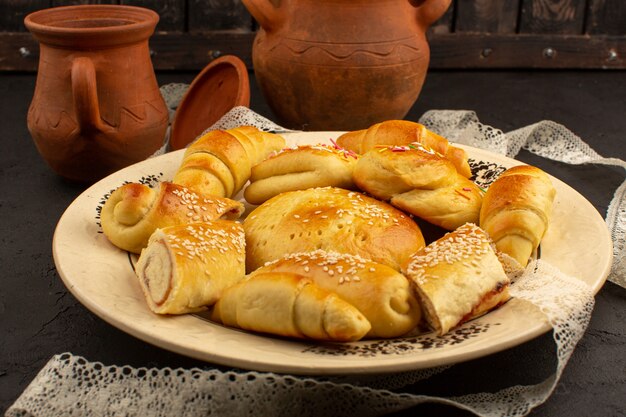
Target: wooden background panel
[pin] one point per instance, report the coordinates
(471, 34)
(606, 17)
(564, 17)
(13, 12)
(487, 16)
(210, 15)
(172, 13)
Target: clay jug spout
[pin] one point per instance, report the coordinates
(85, 94)
(429, 11)
(268, 13)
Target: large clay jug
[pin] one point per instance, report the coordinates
(96, 107)
(341, 64)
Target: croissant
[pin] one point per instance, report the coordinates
(400, 133)
(420, 182)
(134, 211)
(516, 210)
(329, 219)
(289, 305)
(219, 163)
(186, 268)
(458, 277)
(300, 168)
(379, 292)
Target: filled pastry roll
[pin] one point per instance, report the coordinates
(382, 294)
(186, 268)
(219, 162)
(418, 180)
(329, 219)
(458, 277)
(289, 305)
(516, 210)
(134, 211)
(402, 133)
(298, 168)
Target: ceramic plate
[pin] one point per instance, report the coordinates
(101, 277)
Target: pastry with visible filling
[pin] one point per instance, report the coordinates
(458, 277)
(186, 268)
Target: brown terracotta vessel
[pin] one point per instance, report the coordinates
(341, 64)
(97, 105)
(220, 86)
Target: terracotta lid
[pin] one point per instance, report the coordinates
(220, 86)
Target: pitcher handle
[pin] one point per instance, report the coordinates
(85, 94)
(429, 11)
(268, 13)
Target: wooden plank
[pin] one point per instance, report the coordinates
(184, 51)
(528, 51)
(565, 17)
(607, 17)
(13, 12)
(192, 51)
(171, 12)
(206, 16)
(487, 16)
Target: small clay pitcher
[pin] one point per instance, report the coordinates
(97, 106)
(341, 64)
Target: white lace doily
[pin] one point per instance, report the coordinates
(72, 385)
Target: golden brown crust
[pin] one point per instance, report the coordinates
(289, 305)
(186, 268)
(134, 211)
(329, 219)
(379, 292)
(220, 161)
(458, 277)
(401, 133)
(420, 182)
(516, 210)
(299, 168)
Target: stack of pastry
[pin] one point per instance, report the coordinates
(319, 258)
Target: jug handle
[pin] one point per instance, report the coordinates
(268, 13)
(429, 11)
(85, 94)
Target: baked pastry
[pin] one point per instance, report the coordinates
(329, 219)
(421, 182)
(458, 277)
(134, 211)
(186, 268)
(516, 210)
(219, 162)
(401, 133)
(382, 294)
(289, 305)
(299, 168)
